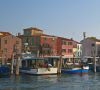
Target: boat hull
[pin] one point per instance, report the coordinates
(40, 71)
(4, 71)
(75, 71)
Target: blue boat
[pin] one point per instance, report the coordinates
(4, 71)
(83, 70)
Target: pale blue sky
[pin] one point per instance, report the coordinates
(67, 18)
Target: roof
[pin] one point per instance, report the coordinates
(3, 34)
(33, 28)
(48, 35)
(66, 39)
(93, 38)
(41, 58)
(77, 42)
(34, 58)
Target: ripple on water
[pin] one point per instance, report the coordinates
(52, 82)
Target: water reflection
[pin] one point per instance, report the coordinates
(51, 82)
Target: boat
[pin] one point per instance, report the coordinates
(83, 70)
(37, 65)
(4, 71)
(74, 68)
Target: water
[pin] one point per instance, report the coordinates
(51, 82)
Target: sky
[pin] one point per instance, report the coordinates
(65, 18)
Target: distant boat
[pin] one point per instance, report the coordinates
(83, 70)
(36, 65)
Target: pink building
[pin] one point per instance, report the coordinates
(67, 47)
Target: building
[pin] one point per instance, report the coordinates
(67, 48)
(77, 51)
(90, 48)
(31, 40)
(32, 31)
(48, 45)
(40, 44)
(9, 44)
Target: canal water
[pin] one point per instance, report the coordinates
(52, 82)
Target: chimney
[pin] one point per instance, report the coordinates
(84, 35)
(19, 34)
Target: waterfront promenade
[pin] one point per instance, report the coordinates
(90, 81)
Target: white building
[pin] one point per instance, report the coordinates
(90, 48)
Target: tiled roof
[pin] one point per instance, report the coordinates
(66, 39)
(77, 42)
(3, 34)
(33, 28)
(93, 38)
(48, 35)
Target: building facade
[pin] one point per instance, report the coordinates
(9, 44)
(48, 45)
(31, 40)
(41, 44)
(67, 48)
(90, 48)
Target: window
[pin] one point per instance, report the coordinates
(53, 39)
(64, 50)
(78, 47)
(70, 51)
(5, 41)
(64, 42)
(69, 43)
(5, 50)
(45, 38)
(17, 42)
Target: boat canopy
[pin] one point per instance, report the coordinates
(41, 58)
(34, 58)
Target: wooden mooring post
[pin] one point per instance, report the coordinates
(94, 64)
(94, 56)
(12, 62)
(59, 65)
(17, 65)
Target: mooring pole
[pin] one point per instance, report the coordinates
(94, 56)
(59, 65)
(17, 65)
(12, 62)
(94, 64)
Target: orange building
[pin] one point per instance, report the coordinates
(9, 43)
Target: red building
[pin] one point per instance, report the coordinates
(48, 45)
(53, 45)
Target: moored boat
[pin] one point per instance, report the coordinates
(4, 71)
(38, 66)
(75, 70)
